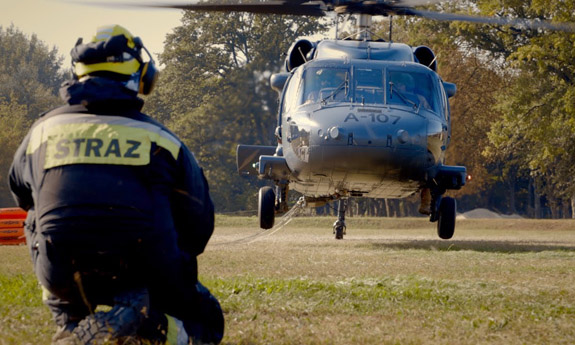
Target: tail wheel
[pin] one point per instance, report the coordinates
(446, 220)
(266, 207)
(339, 232)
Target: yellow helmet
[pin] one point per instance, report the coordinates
(100, 55)
(115, 50)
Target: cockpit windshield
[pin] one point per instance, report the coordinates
(321, 84)
(412, 89)
(367, 85)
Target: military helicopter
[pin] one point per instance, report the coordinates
(358, 117)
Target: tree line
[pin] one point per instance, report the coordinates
(30, 73)
(513, 116)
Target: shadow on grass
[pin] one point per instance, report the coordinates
(489, 246)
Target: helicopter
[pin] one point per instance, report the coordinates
(358, 117)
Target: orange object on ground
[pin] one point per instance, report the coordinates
(12, 213)
(12, 225)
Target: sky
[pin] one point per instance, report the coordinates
(60, 23)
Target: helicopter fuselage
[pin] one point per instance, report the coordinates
(363, 140)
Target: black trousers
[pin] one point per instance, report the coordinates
(79, 275)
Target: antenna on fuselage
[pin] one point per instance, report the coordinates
(336, 19)
(390, 28)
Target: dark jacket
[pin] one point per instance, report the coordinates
(98, 171)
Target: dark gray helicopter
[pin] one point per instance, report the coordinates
(358, 117)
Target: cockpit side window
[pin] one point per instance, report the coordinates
(444, 103)
(324, 84)
(368, 86)
(412, 89)
(290, 94)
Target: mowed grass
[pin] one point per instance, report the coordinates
(390, 281)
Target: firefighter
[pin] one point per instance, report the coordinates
(117, 204)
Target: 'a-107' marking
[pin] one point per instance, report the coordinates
(381, 118)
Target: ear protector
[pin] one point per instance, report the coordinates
(148, 71)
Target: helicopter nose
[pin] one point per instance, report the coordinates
(400, 136)
(388, 144)
(410, 133)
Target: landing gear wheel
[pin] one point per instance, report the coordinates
(339, 225)
(266, 207)
(446, 219)
(339, 231)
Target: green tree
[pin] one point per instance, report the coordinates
(538, 126)
(29, 79)
(214, 90)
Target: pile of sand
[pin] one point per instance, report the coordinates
(483, 213)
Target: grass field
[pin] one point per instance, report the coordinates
(390, 281)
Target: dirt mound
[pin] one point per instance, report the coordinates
(483, 213)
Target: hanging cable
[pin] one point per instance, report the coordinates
(284, 220)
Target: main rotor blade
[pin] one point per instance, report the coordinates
(314, 9)
(416, 3)
(515, 22)
(318, 8)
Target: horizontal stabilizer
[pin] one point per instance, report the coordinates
(247, 157)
